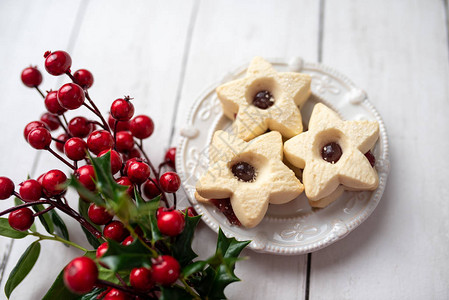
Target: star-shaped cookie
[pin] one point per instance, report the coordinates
(265, 99)
(251, 174)
(343, 144)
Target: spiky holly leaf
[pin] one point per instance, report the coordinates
(182, 246)
(220, 273)
(144, 214)
(115, 194)
(119, 257)
(83, 192)
(92, 295)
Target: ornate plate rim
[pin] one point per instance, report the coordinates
(340, 229)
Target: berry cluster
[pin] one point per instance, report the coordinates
(120, 139)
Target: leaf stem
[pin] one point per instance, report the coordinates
(59, 239)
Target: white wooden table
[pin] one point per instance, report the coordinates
(163, 53)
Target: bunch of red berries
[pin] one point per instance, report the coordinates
(120, 138)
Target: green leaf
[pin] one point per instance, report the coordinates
(92, 295)
(119, 257)
(17, 201)
(182, 246)
(60, 227)
(230, 247)
(23, 267)
(144, 214)
(82, 208)
(174, 293)
(44, 218)
(84, 192)
(8, 231)
(58, 290)
(193, 268)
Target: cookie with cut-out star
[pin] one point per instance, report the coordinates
(265, 99)
(251, 174)
(331, 153)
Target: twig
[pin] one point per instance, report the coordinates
(60, 158)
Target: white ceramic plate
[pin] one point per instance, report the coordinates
(292, 228)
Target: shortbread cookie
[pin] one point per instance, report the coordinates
(251, 174)
(331, 153)
(265, 99)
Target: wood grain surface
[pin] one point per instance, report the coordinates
(165, 53)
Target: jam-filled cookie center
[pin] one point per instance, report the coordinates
(331, 152)
(244, 171)
(263, 99)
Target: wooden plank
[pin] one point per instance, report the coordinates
(397, 51)
(28, 30)
(226, 35)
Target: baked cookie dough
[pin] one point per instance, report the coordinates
(251, 174)
(331, 153)
(265, 99)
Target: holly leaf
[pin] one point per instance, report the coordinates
(8, 231)
(82, 208)
(44, 218)
(229, 247)
(84, 192)
(60, 227)
(58, 290)
(174, 293)
(119, 257)
(120, 201)
(193, 268)
(182, 246)
(144, 214)
(23, 267)
(92, 295)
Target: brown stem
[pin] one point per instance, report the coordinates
(153, 169)
(96, 108)
(163, 195)
(24, 205)
(62, 125)
(90, 108)
(174, 200)
(71, 76)
(74, 214)
(98, 123)
(65, 120)
(44, 211)
(122, 282)
(40, 92)
(60, 158)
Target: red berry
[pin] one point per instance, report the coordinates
(170, 182)
(63, 138)
(133, 153)
(115, 294)
(30, 190)
(50, 120)
(138, 172)
(166, 270)
(115, 231)
(99, 140)
(21, 219)
(122, 109)
(52, 103)
(170, 157)
(32, 125)
(101, 250)
(150, 190)
(58, 62)
(80, 127)
(39, 138)
(161, 210)
(190, 211)
(141, 126)
(52, 182)
(99, 215)
(80, 275)
(31, 77)
(75, 148)
(124, 141)
(171, 223)
(116, 160)
(6, 188)
(141, 279)
(128, 162)
(84, 78)
(121, 125)
(86, 175)
(126, 182)
(128, 241)
(71, 96)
